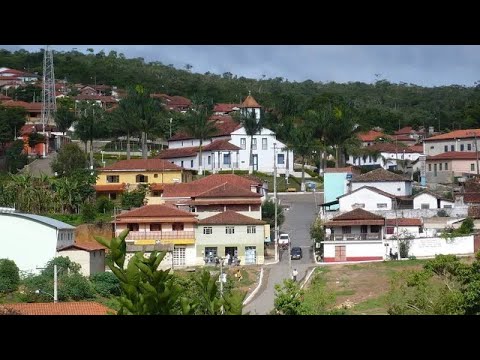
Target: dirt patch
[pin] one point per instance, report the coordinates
(86, 232)
(248, 279)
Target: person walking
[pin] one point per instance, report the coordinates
(294, 275)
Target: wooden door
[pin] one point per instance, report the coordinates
(341, 253)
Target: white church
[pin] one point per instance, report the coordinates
(229, 148)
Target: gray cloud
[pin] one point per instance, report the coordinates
(427, 65)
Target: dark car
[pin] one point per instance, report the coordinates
(296, 253)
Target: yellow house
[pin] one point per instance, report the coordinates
(128, 174)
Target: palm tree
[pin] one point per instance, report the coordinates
(197, 124)
(303, 143)
(252, 126)
(64, 118)
(121, 122)
(90, 125)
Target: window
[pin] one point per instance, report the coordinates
(132, 227)
(191, 164)
(446, 148)
(432, 147)
(429, 167)
(446, 166)
(462, 147)
(440, 166)
(141, 178)
(469, 147)
(209, 160)
(179, 256)
(177, 226)
(452, 147)
(254, 144)
(113, 179)
(181, 163)
(447, 206)
(375, 229)
(264, 143)
(156, 227)
(390, 230)
(207, 230)
(425, 206)
(243, 143)
(281, 159)
(226, 159)
(210, 254)
(251, 229)
(229, 230)
(472, 167)
(381, 206)
(155, 176)
(346, 229)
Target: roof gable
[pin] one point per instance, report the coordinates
(358, 214)
(457, 134)
(227, 190)
(142, 165)
(230, 218)
(156, 211)
(370, 188)
(379, 175)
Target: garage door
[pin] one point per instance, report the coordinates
(341, 253)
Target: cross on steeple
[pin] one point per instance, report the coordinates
(249, 93)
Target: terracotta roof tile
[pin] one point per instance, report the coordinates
(417, 148)
(433, 194)
(379, 174)
(371, 188)
(230, 218)
(404, 131)
(221, 144)
(227, 190)
(110, 187)
(60, 308)
(142, 165)
(225, 108)
(348, 169)
(233, 179)
(457, 134)
(403, 222)
(371, 135)
(225, 125)
(354, 222)
(189, 151)
(390, 148)
(156, 211)
(358, 214)
(454, 155)
(404, 138)
(472, 198)
(4, 97)
(250, 102)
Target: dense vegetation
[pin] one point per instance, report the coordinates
(380, 104)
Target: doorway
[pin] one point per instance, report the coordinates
(250, 255)
(341, 253)
(255, 162)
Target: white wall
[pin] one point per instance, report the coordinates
(398, 188)
(390, 159)
(425, 199)
(252, 214)
(81, 257)
(412, 230)
(218, 236)
(434, 246)
(355, 250)
(364, 196)
(446, 202)
(29, 243)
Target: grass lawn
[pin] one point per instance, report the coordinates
(364, 286)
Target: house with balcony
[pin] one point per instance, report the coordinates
(127, 175)
(229, 147)
(454, 141)
(447, 167)
(233, 233)
(354, 236)
(162, 225)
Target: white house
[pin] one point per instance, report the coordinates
(429, 200)
(404, 227)
(32, 240)
(90, 256)
(367, 198)
(229, 148)
(384, 180)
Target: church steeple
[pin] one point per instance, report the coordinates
(250, 105)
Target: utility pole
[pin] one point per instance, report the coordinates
(275, 196)
(221, 282)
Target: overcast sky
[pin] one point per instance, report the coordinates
(427, 65)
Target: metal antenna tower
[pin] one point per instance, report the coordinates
(49, 104)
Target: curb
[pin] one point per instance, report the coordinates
(307, 278)
(254, 292)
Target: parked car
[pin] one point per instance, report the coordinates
(296, 253)
(284, 239)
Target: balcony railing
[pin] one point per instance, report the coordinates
(162, 236)
(366, 236)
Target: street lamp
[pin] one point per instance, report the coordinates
(55, 285)
(44, 292)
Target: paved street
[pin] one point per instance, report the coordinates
(302, 210)
(40, 166)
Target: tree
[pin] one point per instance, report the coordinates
(317, 234)
(303, 144)
(35, 138)
(268, 213)
(252, 126)
(9, 276)
(11, 121)
(288, 298)
(106, 284)
(64, 118)
(134, 198)
(69, 160)
(197, 124)
(16, 159)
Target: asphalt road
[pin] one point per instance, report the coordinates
(302, 210)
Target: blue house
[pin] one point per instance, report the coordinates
(335, 184)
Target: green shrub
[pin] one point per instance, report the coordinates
(104, 205)
(442, 213)
(76, 287)
(9, 276)
(88, 212)
(106, 284)
(312, 173)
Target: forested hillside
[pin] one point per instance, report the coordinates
(381, 104)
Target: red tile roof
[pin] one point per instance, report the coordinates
(403, 222)
(379, 175)
(348, 169)
(225, 125)
(371, 135)
(358, 214)
(389, 148)
(190, 151)
(473, 198)
(250, 102)
(221, 144)
(157, 211)
(4, 97)
(237, 180)
(104, 99)
(60, 308)
(223, 201)
(407, 130)
(404, 138)
(142, 165)
(371, 188)
(110, 187)
(84, 244)
(227, 190)
(457, 134)
(230, 218)
(417, 148)
(225, 108)
(454, 155)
